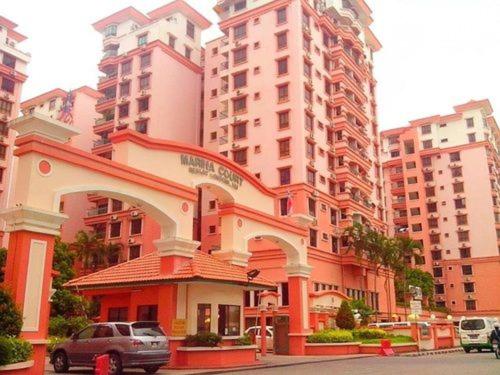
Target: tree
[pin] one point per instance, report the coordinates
(11, 320)
(90, 249)
(415, 277)
(345, 317)
(363, 310)
(3, 260)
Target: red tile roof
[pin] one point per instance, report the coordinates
(146, 270)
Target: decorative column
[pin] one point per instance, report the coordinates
(232, 242)
(298, 274)
(28, 272)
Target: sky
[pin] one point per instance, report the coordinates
(436, 53)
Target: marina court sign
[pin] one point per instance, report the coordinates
(204, 167)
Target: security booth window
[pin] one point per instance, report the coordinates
(117, 314)
(147, 313)
(204, 317)
(229, 320)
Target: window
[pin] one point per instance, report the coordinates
(171, 41)
(240, 31)
(311, 204)
(469, 122)
(110, 30)
(426, 161)
(470, 305)
(126, 67)
(465, 252)
(471, 137)
(115, 230)
(456, 172)
(142, 126)
(5, 107)
(313, 237)
(413, 195)
(116, 205)
(147, 313)
(145, 60)
(187, 52)
(142, 40)
(134, 251)
(203, 317)
(436, 255)
(310, 150)
(467, 270)
(52, 104)
(281, 16)
(415, 211)
(409, 147)
(282, 40)
(433, 223)
(434, 239)
(282, 66)
(461, 219)
(240, 156)
(8, 85)
(426, 129)
(144, 82)
(143, 104)
(240, 130)
(190, 29)
(212, 229)
(240, 105)
(410, 165)
(135, 227)
(311, 177)
(125, 88)
(9, 60)
(229, 320)
(394, 153)
(240, 80)
(459, 203)
(469, 287)
(283, 206)
(284, 148)
(283, 93)
(439, 288)
(416, 227)
(455, 156)
(284, 119)
(437, 271)
(123, 329)
(427, 144)
(431, 207)
(458, 187)
(463, 236)
(285, 176)
(240, 55)
(117, 314)
(240, 5)
(428, 176)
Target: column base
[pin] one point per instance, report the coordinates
(297, 343)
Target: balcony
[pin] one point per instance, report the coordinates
(432, 215)
(101, 210)
(105, 103)
(101, 142)
(223, 139)
(224, 66)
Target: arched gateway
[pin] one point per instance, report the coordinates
(161, 178)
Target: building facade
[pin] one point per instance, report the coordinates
(13, 64)
(289, 95)
(152, 83)
(441, 184)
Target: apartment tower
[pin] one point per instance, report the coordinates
(441, 184)
(289, 94)
(13, 63)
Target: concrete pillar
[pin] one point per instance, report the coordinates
(174, 252)
(28, 272)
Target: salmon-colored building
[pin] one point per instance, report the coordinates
(289, 95)
(441, 184)
(13, 64)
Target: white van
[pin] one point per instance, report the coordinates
(475, 332)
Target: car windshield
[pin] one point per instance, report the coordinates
(472, 324)
(147, 329)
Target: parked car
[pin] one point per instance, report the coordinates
(129, 345)
(255, 330)
(475, 332)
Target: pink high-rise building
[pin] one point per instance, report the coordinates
(441, 184)
(152, 83)
(289, 94)
(13, 63)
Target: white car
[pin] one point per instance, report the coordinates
(255, 330)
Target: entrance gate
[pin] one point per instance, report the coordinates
(281, 329)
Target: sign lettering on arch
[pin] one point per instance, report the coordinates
(204, 167)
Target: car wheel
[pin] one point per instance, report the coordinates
(61, 362)
(115, 364)
(151, 369)
(467, 350)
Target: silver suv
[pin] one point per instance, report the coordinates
(132, 345)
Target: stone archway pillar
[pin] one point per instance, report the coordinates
(28, 272)
(298, 274)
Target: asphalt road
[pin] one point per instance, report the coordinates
(446, 364)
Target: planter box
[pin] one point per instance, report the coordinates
(218, 357)
(398, 348)
(341, 348)
(18, 368)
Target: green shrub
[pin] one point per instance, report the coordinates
(203, 339)
(244, 340)
(65, 327)
(330, 336)
(369, 333)
(11, 320)
(14, 350)
(345, 317)
(398, 339)
(53, 341)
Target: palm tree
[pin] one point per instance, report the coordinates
(90, 249)
(113, 253)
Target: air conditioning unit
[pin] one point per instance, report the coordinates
(237, 44)
(144, 92)
(238, 92)
(467, 279)
(333, 176)
(114, 217)
(131, 241)
(134, 213)
(123, 99)
(311, 163)
(435, 263)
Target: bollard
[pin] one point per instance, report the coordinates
(386, 348)
(102, 364)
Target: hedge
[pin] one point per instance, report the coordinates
(11, 319)
(331, 336)
(14, 350)
(203, 339)
(244, 340)
(369, 333)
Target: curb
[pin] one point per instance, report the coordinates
(289, 364)
(432, 352)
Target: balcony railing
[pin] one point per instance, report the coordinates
(105, 99)
(102, 210)
(101, 142)
(107, 77)
(104, 119)
(110, 53)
